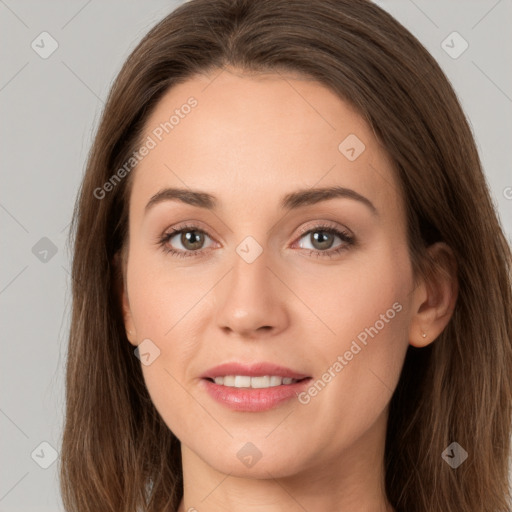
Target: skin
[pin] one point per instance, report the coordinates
(250, 140)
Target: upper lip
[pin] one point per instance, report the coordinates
(252, 370)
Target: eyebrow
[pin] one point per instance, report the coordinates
(290, 201)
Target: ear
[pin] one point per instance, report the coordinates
(435, 296)
(122, 294)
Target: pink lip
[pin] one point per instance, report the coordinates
(252, 370)
(249, 399)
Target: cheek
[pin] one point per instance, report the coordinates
(357, 379)
(165, 308)
(366, 305)
(358, 297)
(162, 300)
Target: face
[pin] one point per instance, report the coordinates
(304, 297)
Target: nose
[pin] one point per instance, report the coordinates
(252, 300)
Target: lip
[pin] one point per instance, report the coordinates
(252, 370)
(253, 399)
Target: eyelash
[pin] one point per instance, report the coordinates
(343, 235)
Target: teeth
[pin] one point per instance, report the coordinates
(229, 380)
(260, 382)
(275, 381)
(244, 381)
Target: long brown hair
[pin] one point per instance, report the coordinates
(117, 453)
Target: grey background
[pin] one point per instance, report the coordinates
(49, 110)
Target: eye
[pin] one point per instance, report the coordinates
(322, 239)
(186, 241)
(190, 238)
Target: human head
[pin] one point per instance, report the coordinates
(370, 61)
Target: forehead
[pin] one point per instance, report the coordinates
(255, 134)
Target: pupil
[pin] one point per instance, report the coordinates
(191, 239)
(322, 238)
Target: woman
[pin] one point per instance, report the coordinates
(291, 289)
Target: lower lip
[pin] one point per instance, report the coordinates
(254, 400)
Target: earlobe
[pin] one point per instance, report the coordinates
(128, 320)
(435, 297)
(122, 295)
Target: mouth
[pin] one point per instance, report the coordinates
(253, 387)
(246, 381)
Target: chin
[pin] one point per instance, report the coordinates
(262, 469)
(258, 459)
